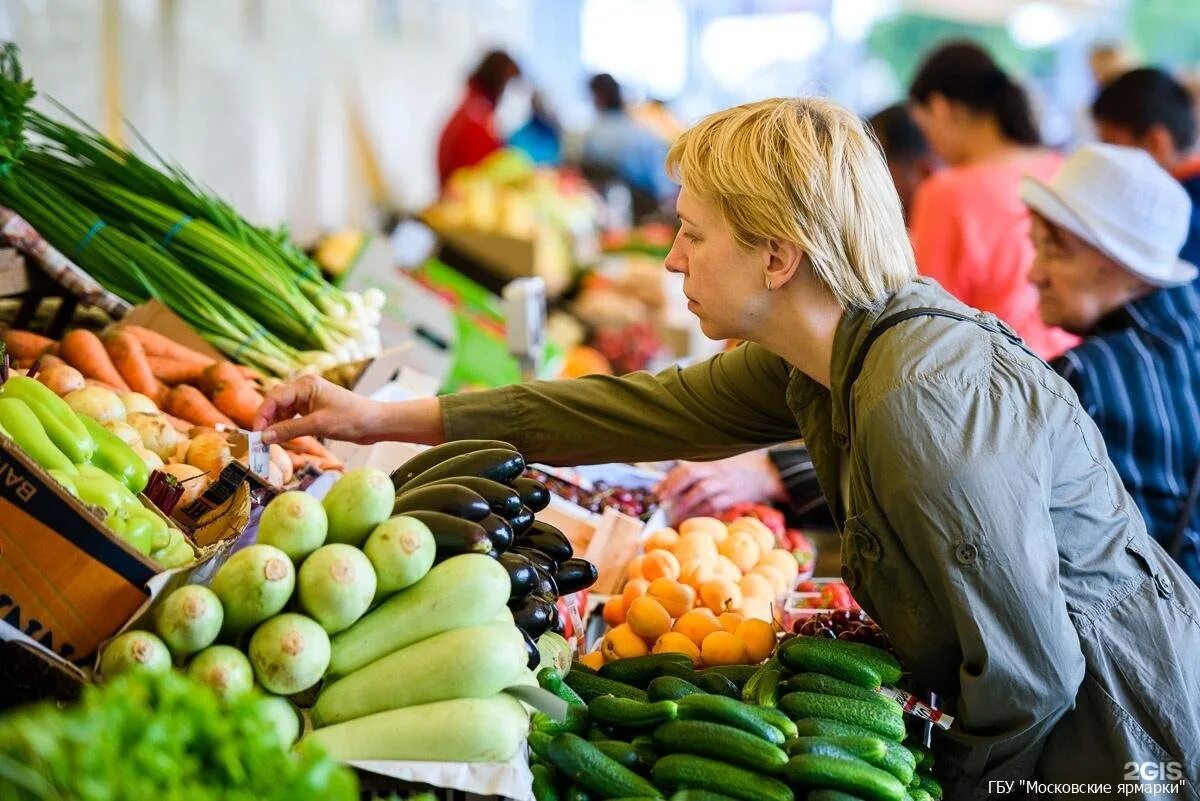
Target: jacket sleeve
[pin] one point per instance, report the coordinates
(964, 479)
(733, 402)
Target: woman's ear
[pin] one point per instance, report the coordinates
(783, 259)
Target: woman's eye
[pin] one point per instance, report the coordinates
(691, 237)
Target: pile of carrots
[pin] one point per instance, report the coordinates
(192, 388)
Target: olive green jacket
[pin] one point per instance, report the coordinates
(988, 532)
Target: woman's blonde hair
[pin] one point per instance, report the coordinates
(803, 170)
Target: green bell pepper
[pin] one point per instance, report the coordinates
(25, 429)
(59, 420)
(115, 457)
(98, 488)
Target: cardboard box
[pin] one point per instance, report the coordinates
(64, 579)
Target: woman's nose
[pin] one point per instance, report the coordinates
(675, 262)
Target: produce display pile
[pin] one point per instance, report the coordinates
(705, 591)
(190, 392)
(632, 501)
(406, 604)
(148, 232)
(809, 723)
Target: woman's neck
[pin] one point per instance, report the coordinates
(985, 142)
(800, 328)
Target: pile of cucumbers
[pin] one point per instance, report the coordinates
(472, 496)
(807, 724)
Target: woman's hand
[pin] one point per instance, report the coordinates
(312, 406)
(697, 489)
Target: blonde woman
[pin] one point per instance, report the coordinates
(983, 527)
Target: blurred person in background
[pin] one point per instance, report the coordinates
(540, 137)
(1107, 230)
(969, 228)
(1108, 61)
(470, 134)
(619, 143)
(908, 156)
(1149, 109)
(655, 115)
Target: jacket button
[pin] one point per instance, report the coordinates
(966, 553)
(841, 440)
(1165, 587)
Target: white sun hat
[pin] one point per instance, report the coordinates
(1121, 202)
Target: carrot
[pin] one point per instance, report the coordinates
(25, 346)
(189, 403)
(310, 446)
(155, 344)
(217, 374)
(175, 371)
(130, 360)
(180, 425)
(238, 399)
(84, 351)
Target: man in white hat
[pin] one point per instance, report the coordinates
(1107, 231)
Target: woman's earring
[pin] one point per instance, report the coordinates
(770, 285)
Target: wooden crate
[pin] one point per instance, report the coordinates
(30, 286)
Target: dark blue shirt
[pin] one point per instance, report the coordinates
(1138, 375)
(1191, 247)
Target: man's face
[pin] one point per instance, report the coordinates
(1156, 141)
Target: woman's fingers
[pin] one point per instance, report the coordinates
(681, 478)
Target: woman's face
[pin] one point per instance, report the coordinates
(941, 122)
(723, 281)
(1076, 283)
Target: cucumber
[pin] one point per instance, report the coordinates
(918, 794)
(847, 774)
(776, 718)
(869, 749)
(831, 795)
(820, 683)
(864, 665)
(539, 743)
(625, 713)
(551, 682)
(646, 750)
(440, 453)
(861, 713)
(737, 674)
(716, 709)
(700, 795)
(762, 689)
(450, 499)
(576, 721)
(923, 756)
(671, 688)
(577, 793)
(716, 684)
(498, 464)
(685, 771)
(596, 733)
(543, 784)
(589, 767)
(898, 760)
(579, 666)
(591, 686)
(638, 671)
(720, 742)
(931, 786)
(623, 754)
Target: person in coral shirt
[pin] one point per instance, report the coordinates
(470, 134)
(969, 228)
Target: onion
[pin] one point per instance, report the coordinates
(61, 378)
(210, 453)
(157, 433)
(149, 457)
(127, 433)
(136, 402)
(281, 460)
(100, 404)
(193, 487)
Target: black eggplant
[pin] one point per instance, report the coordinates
(450, 499)
(499, 531)
(547, 539)
(542, 560)
(440, 453)
(503, 499)
(522, 573)
(521, 521)
(498, 464)
(532, 615)
(547, 587)
(535, 656)
(453, 536)
(574, 575)
(560, 626)
(533, 493)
